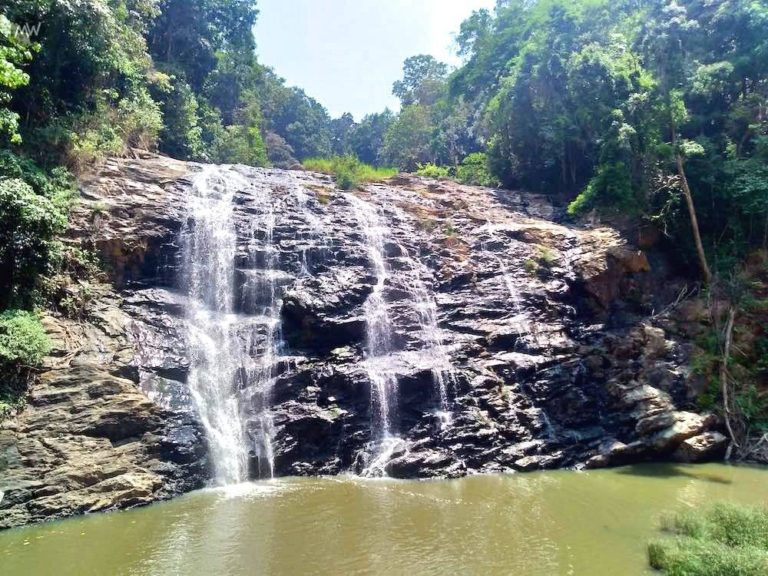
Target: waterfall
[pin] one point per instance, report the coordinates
(263, 339)
(378, 336)
(524, 328)
(315, 225)
(443, 372)
(209, 248)
(233, 322)
(514, 295)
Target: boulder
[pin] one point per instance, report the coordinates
(704, 447)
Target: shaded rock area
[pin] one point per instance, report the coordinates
(555, 356)
(89, 440)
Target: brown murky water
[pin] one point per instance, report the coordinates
(552, 523)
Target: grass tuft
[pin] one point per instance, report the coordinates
(726, 540)
(348, 171)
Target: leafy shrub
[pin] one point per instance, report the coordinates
(754, 408)
(57, 184)
(112, 126)
(23, 343)
(347, 171)
(240, 145)
(138, 120)
(29, 224)
(241, 142)
(22, 339)
(726, 540)
(475, 170)
(546, 256)
(429, 170)
(12, 54)
(610, 188)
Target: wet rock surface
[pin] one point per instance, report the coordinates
(548, 349)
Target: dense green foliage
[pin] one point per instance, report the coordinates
(475, 169)
(430, 170)
(723, 541)
(23, 343)
(29, 224)
(22, 338)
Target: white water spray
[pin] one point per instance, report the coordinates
(443, 372)
(209, 247)
(378, 334)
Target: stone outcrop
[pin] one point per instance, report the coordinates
(89, 439)
(556, 359)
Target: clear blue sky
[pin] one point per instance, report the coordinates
(347, 53)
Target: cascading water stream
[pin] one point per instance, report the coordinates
(378, 337)
(263, 338)
(233, 323)
(315, 227)
(443, 372)
(209, 248)
(525, 328)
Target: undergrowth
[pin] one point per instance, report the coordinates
(23, 343)
(348, 171)
(726, 540)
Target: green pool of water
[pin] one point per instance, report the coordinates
(582, 523)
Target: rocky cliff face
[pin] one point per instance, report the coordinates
(514, 343)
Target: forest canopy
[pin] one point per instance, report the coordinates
(611, 106)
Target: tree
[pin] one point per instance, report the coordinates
(300, 120)
(367, 138)
(186, 35)
(241, 142)
(13, 53)
(341, 130)
(29, 223)
(181, 136)
(407, 141)
(424, 81)
(664, 41)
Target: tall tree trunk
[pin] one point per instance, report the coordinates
(564, 167)
(765, 233)
(705, 272)
(724, 386)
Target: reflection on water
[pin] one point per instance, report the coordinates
(551, 523)
(671, 470)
